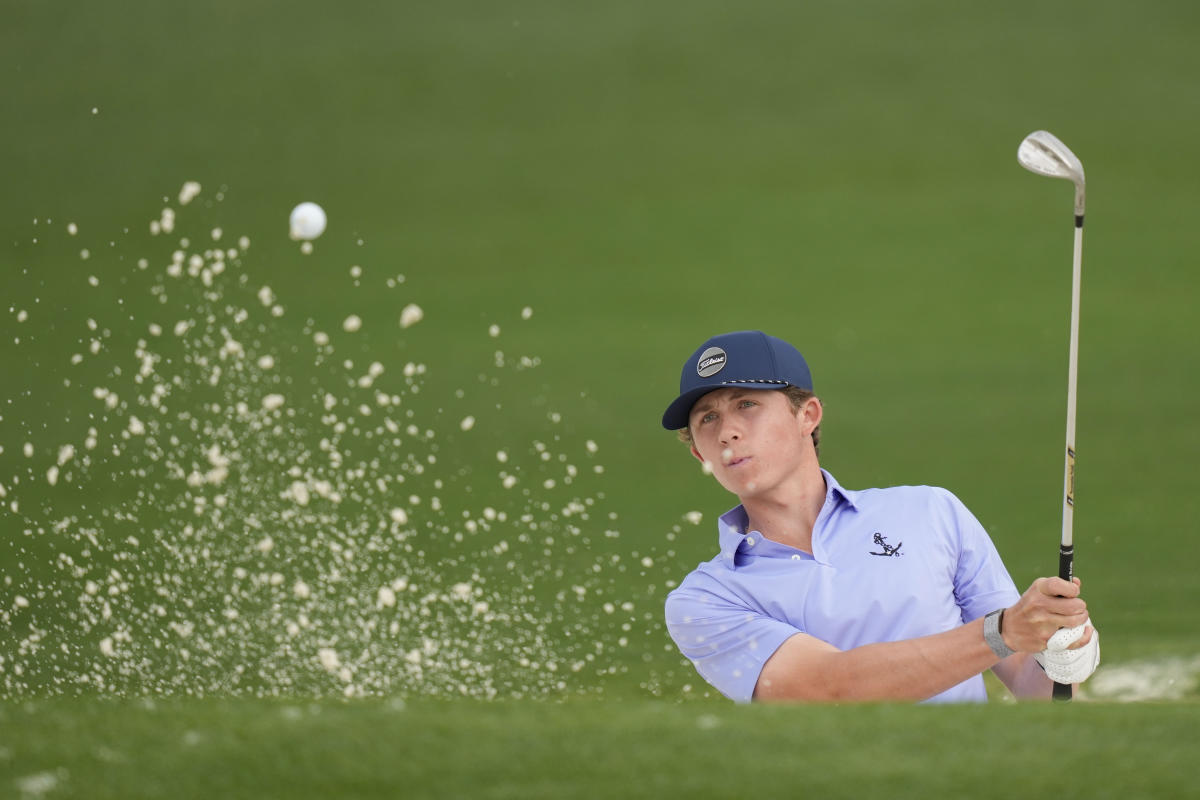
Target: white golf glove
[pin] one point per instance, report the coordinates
(1070, 666)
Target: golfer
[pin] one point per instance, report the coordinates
(821, 593)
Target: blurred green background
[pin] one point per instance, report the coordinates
(642, 175)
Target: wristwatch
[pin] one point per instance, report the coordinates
(992, 625)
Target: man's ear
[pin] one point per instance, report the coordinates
(696, 453)
(810, 415)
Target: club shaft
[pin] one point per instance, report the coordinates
(1066, 549)
(1072, 383)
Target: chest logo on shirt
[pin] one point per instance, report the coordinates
(888, 550)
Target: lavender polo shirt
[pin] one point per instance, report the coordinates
(887, 564)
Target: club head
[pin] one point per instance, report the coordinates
(1044, 153)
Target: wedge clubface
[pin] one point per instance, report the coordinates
(1042, 152)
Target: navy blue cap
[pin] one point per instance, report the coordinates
(749, 359)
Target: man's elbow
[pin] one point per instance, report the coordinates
(804, 670)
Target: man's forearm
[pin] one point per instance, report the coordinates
(914, 669)
(1023, 677)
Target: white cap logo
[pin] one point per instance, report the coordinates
(711, 362)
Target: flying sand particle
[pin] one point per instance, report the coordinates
(65, 454)
(329, 658)
(189, 192)
(410, 315)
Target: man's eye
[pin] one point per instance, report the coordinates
(748, 403)
(707, 418)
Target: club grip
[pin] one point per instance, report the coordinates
(1066, 561)
(1066, 570)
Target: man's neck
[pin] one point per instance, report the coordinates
(788, 515)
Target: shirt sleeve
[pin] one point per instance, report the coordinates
(981, 582)
(726, 641)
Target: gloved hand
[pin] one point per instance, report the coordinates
(1070, 666)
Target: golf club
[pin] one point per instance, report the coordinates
(1042, 152)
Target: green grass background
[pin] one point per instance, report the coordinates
(644, 175)
(254, 749)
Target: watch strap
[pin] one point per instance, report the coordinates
(992, 626)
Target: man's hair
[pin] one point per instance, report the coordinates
(795, 394)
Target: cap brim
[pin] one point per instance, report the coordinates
(677, 414)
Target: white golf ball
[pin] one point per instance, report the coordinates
(307, 221)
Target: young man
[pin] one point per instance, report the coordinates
(820, 593)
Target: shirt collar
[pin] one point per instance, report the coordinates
(834, 490)
(732, 526)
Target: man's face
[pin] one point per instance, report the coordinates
(752, 439)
